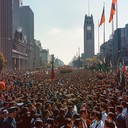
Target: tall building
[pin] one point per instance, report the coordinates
(116, 47)
(27, 26)
(19, 48)
(27, 23)
(6, 30)
(45, 57)
(16, 34)
(16, 14)
(37, 46)
(88, 37)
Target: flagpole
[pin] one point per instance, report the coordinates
(116, 14)
(112, 27)
(104, 22)
(104, 33)
(98, 38)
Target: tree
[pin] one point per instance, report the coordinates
(76, 62)
(2, 61)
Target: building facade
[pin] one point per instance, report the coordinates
(6, 31)
(37, 54)
(27, 25)
(88, 37)
(16, 15)
(116, 47)
(45, 57)
(16, 34)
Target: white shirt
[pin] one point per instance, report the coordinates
(124, 112)
(74, 110)
(100, 124)
(93, 124)
(104, 116)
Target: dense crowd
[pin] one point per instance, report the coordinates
(80, 99)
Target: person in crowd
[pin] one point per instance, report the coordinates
(100, 123)
(120, 119)
(69, 114)
(109, 124)
(45, 116)
(3, 116)
(10, 120)
(67, 123)
(103, 110)
(81, 95)
(124, 106)
(38, 123)
(78, 123)
(111, 118)
(94, 122)
(83, 114)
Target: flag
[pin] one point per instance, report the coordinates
(52, 74)
(101, 60)
(102, 18)
(120, 62)
(114, 2)
(120, 65)
(123, 68)
(110, 63)
(104, 60)
(112, 12)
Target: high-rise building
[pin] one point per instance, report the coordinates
(27, 23)
(88, 37)
(27, 26)
(116, 48)
(6, 30)
(16, 34)
(16, 14)
(17, 3)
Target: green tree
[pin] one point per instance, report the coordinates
(2, 61)
(76, 62)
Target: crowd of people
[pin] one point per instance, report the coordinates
(79, 99)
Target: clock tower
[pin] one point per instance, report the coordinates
(88, 37)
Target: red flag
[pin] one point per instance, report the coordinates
(112, 12)
(52, 74)
(114, 2)
(102, 18)
(124, 68)
(101, 59)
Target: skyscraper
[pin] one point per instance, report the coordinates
(16, 16)
(88, 37)
(27, 24)
(6, 30)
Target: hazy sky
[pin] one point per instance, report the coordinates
(59, 23)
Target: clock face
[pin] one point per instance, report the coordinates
(89, 28)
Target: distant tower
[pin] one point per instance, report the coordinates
(88, 37)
